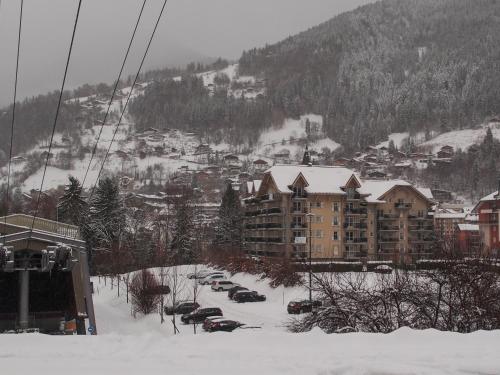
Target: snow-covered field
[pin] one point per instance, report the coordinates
(131, 346)
(461, 139)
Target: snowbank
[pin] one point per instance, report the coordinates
(253, 352)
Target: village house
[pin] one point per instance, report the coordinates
(488, 210)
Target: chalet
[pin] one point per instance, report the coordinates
(231, 160)
(282, 157)
(260, 164)
(377, 174)
(442, 195)
(445, 152)
(341, 162)
(203, 148)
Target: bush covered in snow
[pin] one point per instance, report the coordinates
(462, 296)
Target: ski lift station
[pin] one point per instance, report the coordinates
(44, 277)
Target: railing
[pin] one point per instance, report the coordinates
(402, 205)
(356, 225)
(355, 211)
(416, 217)
(41, 224)
(264, 239)
(428, 228)
(388, 228)
(264, 226)
(388, 217)
(298, 226)
(264, 211)
(388, 240)
(360, 240)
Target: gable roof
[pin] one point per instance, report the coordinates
(320, 179)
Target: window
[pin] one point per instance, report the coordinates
(318, 219)
(401, 225)
(335, 236)
(318, 204)
(319, 234)
(297, 207)
(349, 236)
(371, 234)
(335, 220)
(401, 236)
(335, 207)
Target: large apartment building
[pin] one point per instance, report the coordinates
(331, 211)
(488, 210)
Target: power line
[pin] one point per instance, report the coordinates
(57, 114)
(13, 110)
(114, 93)
(128, 98)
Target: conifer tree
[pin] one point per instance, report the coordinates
(229, 226)
(72, 207)
(182, 245)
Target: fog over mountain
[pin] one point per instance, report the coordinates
(192, 30)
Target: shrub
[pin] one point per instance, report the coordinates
(143, 290)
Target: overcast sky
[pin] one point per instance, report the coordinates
(190, 30)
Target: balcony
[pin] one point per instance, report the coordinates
(387, 217)
(355, 211)
(422, 218)
(427, 228)
(299, 196)
(299, 240)
(301, 211)
(402, 205)
(264, 239)
(298, 225)
(360, 240)
(388, 240)
(388, 228)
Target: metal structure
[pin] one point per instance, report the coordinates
(44, 278)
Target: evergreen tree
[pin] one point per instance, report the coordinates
(229, 227)
(182, 245)
(106, 217)
(72, 207)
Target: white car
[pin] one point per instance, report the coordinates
(223, 285)
(214, 277)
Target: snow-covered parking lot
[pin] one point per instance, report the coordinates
(132, 346)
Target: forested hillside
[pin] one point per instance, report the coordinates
(396, 65)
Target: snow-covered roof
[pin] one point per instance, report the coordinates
(468, 227)
(320, 179)
(492, 196)
(330, 180)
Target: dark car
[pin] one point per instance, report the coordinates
(200, 315)
(245, 296)
(225, 325)
(303, 306)
(233, 290)
(182, 308)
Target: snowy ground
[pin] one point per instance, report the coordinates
(131, 346)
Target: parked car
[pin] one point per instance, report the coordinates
(200, 315)
(182, 308)
(208, 280)
(302, 306)
(202, 274)
(383, 268)
(233, 290)
(221, 285)
(210, 320)
(225, 325)
(246, 296)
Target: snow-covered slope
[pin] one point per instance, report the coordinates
(287, 135)
(461, 139)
